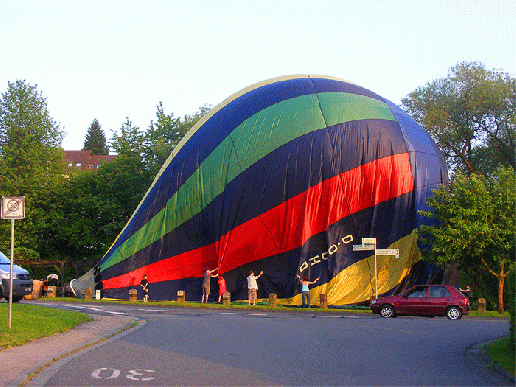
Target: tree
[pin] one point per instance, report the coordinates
(31, 158)
(95, 139)
(475, 224)
(161, 138)
(130, 141)
(471, 116)
(163, 135)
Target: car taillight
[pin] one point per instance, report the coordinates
(466, 301)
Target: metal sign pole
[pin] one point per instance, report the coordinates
(12, 207)
(375, 274)
(370, 244)
(11, 277)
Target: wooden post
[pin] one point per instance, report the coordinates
(481, 305)
(323, 301)
(88, 292)
(181, 296)
(273, 300)
(226, 298)
(133, 295)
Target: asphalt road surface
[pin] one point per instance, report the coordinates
(226, 347)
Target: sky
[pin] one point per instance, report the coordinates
(113, 59)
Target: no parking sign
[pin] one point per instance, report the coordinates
(13, 207)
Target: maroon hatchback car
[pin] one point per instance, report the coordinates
(425, 300)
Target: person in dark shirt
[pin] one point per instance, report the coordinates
(145, 286)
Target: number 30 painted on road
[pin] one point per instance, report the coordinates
(113, 373)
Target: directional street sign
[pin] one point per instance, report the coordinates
(395, 252)
(370, 244)
(363, 247)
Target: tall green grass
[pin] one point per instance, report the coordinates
(31, 322)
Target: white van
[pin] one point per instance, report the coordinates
(22, 284)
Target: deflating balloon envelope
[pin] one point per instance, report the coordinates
(284, 176)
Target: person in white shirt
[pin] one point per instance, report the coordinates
(252, 287)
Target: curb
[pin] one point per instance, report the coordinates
(476, 355)
(492, 364)
(40, 373)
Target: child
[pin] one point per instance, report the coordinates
(222, 286)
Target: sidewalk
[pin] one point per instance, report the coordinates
(20, 362)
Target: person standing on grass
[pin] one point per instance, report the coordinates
(252, 287)
(145, 286)
(206, 284)
(222, 286)
(305, 291)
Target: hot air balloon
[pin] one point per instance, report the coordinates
(284, 177)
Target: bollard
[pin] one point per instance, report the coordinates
(181, 296)
(51, 291)
(97, 295)
(481, 305)
(88, 294)
(323, 301)
(133, 295)
(273, 300)
(226, 298)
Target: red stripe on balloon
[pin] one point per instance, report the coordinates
(287, 226)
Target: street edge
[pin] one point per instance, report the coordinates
(43, 371)
(476, 355)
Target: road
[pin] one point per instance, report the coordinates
(199, 347)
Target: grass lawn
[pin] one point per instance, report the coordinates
(502, 353)
(31, 322)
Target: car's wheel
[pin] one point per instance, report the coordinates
(15, 299)
(454, 313)
(387, 311)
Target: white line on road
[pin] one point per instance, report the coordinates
(94, 309)
(152, 310)
(105, 311)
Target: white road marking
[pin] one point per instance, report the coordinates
(152, 310)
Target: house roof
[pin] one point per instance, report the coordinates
(85, 160)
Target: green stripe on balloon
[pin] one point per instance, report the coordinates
(256, 137)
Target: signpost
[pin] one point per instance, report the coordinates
(370, 244)
(13, 207)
